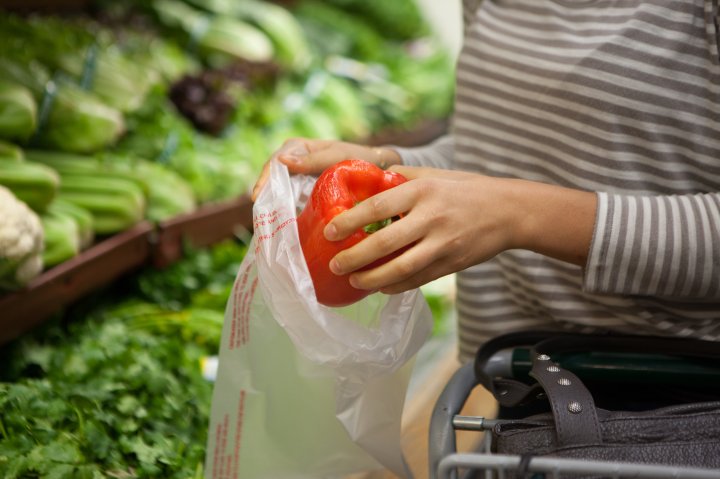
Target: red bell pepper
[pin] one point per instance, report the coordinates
(339, 188)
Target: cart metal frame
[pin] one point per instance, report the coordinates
(445, 462)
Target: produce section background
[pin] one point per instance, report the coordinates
(133, 131)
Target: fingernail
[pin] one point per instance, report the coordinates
(335, 267)
(330, 232)
(353, 282)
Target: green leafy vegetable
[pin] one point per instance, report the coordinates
(87, 53)
(112, 401)
(9, 151)
(397, 19)
(32, 183)
(18, 111)
(62, 237)
(205, 272)
(211, 166)
(333, 31)
(81, 216)
(115, 389)
(76, 120)
(220, 39)
(283, 29)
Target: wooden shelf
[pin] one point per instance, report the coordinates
(58, 287)
(206, 226)
(146, 244)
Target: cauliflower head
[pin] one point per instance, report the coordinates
(21, 242)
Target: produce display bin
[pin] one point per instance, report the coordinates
(60, 286)
(207, 225)
(145, 244)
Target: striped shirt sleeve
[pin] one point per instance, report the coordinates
(438, 154)
(469, 7)
(656, 245)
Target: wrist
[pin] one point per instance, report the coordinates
(551, 220)
(520, 225)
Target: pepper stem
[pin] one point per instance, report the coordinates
(377, 226)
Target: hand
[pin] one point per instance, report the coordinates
(453, 220)
(312, 157)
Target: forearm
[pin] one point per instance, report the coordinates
(551, 220)
(662, 245)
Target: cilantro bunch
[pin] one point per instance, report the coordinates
(117, 391)
(108, 401)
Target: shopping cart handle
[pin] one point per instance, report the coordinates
(450, 402)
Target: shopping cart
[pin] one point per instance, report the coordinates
(598, 368)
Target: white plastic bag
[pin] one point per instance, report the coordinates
(306, 391)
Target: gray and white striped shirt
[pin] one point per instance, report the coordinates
(619, 97)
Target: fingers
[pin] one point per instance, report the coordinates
(310, 144)
(378, 245)
(384, 205)
(416, 266)
(323, 158)
(436, 270)
(311, 157)
(399, 234)
(291, 154)
(319, 155)
(309, 163)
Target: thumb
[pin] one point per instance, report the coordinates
(292, 154)
(313, 162)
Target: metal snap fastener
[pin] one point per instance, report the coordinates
(575, 407)
(553, 369)
(564, 382)
(543, 357)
